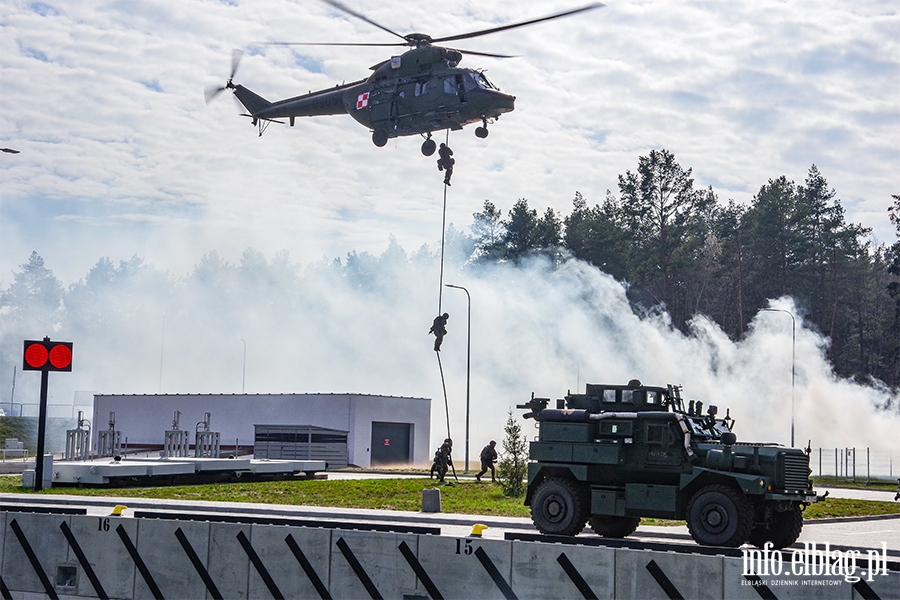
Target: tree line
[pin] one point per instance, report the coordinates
(681, 250)
(677, 248)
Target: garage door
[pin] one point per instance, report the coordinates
(390, 443)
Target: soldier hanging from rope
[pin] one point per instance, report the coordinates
(445, 162)
(439, 329)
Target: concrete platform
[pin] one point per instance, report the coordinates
(106, 471)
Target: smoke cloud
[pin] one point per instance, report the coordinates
(360, 325)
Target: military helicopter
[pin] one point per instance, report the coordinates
(418, 92)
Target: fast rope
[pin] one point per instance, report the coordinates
(443, 233)
(440, 306)
(446, 410)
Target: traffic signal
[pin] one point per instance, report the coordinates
(47, 356)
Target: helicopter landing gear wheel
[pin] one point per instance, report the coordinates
(380, 138)
(428, 147)
(481, 132)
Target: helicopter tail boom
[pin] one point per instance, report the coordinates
(253, 102)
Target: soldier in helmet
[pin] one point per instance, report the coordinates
(488, 458)
(439, 329)
(445, 162)
(442, 460)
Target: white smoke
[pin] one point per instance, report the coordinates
(536, 327)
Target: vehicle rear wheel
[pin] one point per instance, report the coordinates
(428, 147)
(614, 527)
(782, 530)
(717, 515)
(481, 132)
(559, 507)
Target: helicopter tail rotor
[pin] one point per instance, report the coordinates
(213, 91)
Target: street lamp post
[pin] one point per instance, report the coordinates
(468, 363)
(793, 360)
(244, 367)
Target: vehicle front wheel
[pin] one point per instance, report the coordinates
(428, 147)
(614, 527)
(718, 515)
(782, 530)
(559, 507)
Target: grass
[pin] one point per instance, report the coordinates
(874, 484)
(466, 497)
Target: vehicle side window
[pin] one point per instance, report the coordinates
(609, 395)
(657, 434)
(450, 85)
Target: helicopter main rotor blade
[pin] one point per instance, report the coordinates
(326, 44)
(361, 16)
(466, 36)
(473, 53)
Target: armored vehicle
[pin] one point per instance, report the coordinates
(621, 452)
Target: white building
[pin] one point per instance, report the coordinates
(380, 429)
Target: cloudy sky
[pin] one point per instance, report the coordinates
(120, 156)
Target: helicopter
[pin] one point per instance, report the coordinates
(418, 92)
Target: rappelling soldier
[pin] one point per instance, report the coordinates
(445, 162)
(439, 329)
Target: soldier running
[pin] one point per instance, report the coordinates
(488, 458)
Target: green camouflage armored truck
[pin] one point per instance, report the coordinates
(621, 452)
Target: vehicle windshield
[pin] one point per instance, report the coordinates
(707, 428)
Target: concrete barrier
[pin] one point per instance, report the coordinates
(97, 552)
(660, 575)
(79, 556)
(370, 565)
(297, 559)
(466, 567)
(35, 551)
(164, 568)
(563, 571)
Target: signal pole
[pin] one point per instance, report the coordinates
(45, 356)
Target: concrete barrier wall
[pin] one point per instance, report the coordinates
(74, 556)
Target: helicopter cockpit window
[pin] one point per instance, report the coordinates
(470, 82)
(450, 85)
(482, 81)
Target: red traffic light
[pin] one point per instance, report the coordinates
(47, 356)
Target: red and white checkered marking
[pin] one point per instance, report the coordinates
(362, 101)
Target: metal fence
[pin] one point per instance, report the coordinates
(855, 464)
